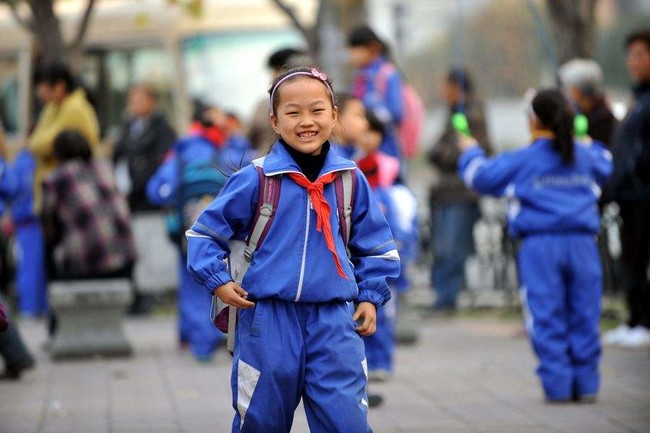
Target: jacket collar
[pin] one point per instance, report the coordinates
(280, 161)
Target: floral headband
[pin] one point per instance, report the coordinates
(312, 73)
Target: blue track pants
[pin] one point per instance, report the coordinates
(285, 351)
(561, 289)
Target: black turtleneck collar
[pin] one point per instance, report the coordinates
(641, 88)
(310, 165)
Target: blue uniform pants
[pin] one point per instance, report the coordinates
(285, 351)
(31, 280)
(195, 326)
(381, 345)
(561, 279)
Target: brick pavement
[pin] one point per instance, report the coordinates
(466, 375)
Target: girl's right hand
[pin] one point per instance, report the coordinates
(231, 294)
(465, 142)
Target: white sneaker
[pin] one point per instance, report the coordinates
(638, 337)
(617, 335)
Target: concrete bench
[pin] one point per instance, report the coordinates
(89, 314)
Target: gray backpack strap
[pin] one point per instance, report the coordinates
(344, 187)
(267, 204)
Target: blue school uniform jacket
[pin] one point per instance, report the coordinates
(22, 196)
(385, 103)
(293, 262)
(8, 184)
(546, 195)
(162, 188)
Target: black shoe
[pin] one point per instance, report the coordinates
(375, 400)
(585, 399)
(13, 372)
(142, 305)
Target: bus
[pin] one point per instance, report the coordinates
(217, 56)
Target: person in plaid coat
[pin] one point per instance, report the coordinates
(85, 219)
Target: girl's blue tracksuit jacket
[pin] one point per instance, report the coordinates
(553, 209)
(299, 340)
(195, 326)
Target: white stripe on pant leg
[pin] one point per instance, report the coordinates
(364, 365)
(528, 316)
(247, 378)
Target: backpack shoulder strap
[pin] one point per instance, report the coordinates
(344, 185)
(267, 204)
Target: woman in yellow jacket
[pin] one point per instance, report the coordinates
(66, 108)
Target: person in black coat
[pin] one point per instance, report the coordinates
(630, 188)
(144, 140)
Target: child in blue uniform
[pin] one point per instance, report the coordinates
(296, 334)
(378, 84)
(553, 186)
(352, 125)
(399, 208)
(31, 279)
(168, 187)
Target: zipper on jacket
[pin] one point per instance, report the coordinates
(304, 250)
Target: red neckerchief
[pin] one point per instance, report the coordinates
(322, 209)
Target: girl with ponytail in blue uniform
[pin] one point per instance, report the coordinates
(553, 186)
(297, 335)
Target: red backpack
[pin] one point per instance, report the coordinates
(410, 128)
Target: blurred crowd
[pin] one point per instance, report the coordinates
(71, 214)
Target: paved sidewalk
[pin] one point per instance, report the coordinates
(466, 375)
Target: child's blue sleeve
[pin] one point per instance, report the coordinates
(487, 175)
(227, 217)
(163, 185)
(602, 164)
(372, 249)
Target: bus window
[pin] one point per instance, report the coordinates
(9, 106)
(229, 69)
(109, 73)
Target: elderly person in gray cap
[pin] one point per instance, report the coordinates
(581, 80)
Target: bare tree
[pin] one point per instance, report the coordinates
(41, 21)
(326, 38)
(346, 14)
(573, 23)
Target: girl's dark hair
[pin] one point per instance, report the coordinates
(374, 124)
(199, 110)
(70, 145)
(274, 90)
(364, 36)
(555, 113)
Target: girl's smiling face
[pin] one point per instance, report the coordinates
(305, 115)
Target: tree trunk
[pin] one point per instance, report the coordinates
(573, 23)
(47, 32)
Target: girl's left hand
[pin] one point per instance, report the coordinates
(368, 312)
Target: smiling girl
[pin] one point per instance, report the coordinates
(297, 333)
